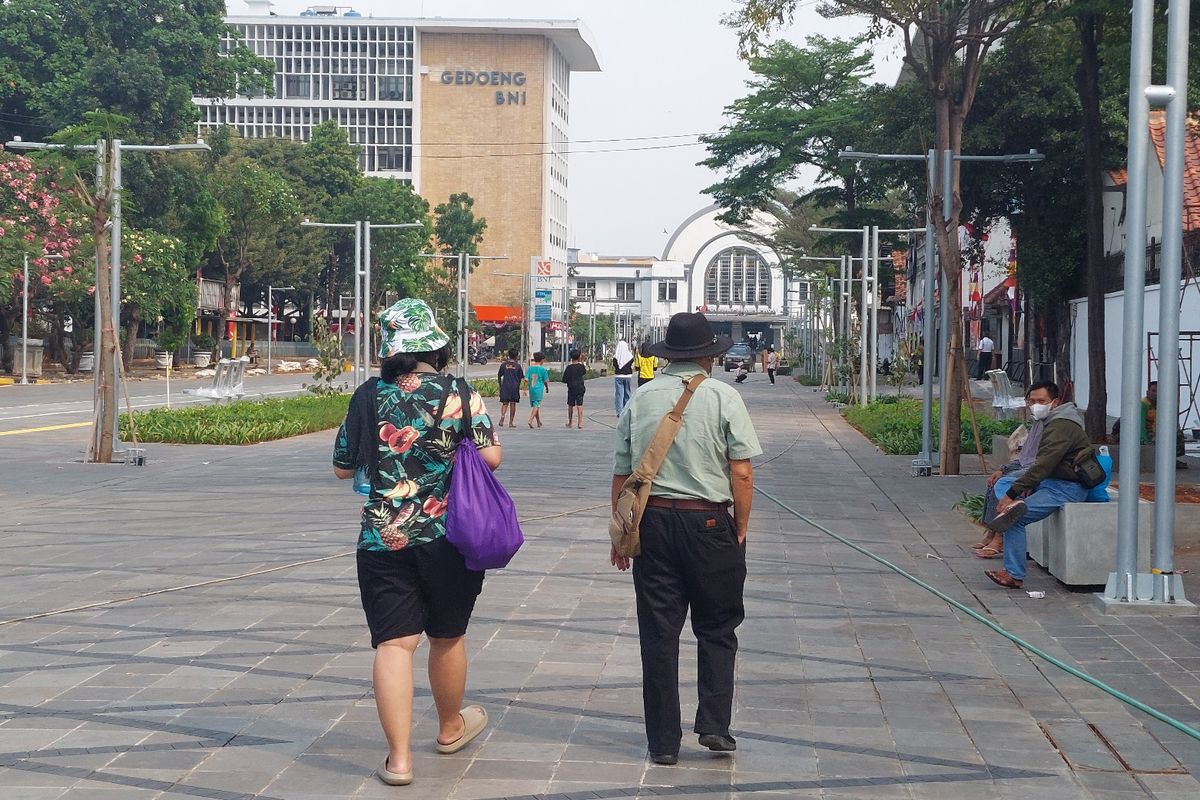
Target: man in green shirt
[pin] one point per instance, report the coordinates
(693, 552)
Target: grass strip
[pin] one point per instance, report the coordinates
(239, 423)
(894, 426)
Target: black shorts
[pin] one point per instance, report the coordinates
(575, 396)
(425, 588)
(510, 397)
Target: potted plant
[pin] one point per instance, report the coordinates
(169, 340)
(202, 355)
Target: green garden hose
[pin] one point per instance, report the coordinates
(1017, 640)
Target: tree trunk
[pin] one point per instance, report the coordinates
(949, 137)
(1087, 83)
(101, 450)
(131, 329)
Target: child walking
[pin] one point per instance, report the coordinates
(573, 377)
(538, 378)
(509, 376)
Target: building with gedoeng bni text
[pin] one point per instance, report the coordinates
(480, 106)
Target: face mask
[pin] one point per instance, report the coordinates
(1040, 410)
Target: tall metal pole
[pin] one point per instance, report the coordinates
(97, 406)
(357, 373)
(114, 271)
(841, 350)
(462, 296)
(927, 351)
(25, 323)
(1121, 582)
(1168, 315)
(871, 395)
(367, 325)
(863, 326)
(270, 309)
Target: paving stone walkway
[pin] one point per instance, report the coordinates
(230, 659)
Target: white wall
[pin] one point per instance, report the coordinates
(1114, 331)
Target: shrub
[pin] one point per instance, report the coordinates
(807, 380)
(837, 397)
(894, 425)
(331, 360)
(243, 422)
(971, 505)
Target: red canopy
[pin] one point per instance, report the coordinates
(498, 315)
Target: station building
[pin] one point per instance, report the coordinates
(480, 106)
(706, 265)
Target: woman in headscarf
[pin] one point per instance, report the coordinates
(622, 362)
(400, 433)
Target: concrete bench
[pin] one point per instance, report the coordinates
(1078, 543)
(1005, 399)
(227, 381)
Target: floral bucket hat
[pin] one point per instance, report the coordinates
(409, 326)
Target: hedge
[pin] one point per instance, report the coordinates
(895, 427)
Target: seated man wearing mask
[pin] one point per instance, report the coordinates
(999, 482)
(1047, 485)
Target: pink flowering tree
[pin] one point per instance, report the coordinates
(39, 217)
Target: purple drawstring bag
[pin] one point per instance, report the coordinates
(481, 520)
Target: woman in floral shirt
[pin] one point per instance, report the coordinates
(403, 429)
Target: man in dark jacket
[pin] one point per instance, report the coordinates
(1047, 485)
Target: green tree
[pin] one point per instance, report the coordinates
(144, 59)
(328, 165)
(258, 205)
(456, 228)
(396, 262)
(157, 284)
(945, 46)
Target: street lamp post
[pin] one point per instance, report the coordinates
(105, 149)
(362, 288)
(270, 315)
(865, 232)
(923, 463)
(25, 316)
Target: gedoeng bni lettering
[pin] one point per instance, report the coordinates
(462, 77)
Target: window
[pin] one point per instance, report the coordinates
(298, 86)
(344, 88)
(626, 290)
(585, 289)
(738, 277)
(391, 159)
(668, 291)
(392, 88)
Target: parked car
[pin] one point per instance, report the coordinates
(739, 352)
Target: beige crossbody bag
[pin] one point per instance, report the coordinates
(625, 526)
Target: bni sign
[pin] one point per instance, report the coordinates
(546, 276)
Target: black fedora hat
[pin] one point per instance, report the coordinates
(690, 336)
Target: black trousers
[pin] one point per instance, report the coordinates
(771, 374)
(690, 560)
(985, 363)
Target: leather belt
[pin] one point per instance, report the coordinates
(685, 505)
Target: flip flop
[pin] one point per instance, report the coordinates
(1002, 578)
(1003, 522)
(987, 552)
(475, 719)
(393, 778)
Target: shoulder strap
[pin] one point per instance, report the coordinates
(464, 396)
(664, 434)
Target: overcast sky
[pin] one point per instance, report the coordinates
(668, 67)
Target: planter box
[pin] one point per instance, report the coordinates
(163, 359)
(201, 359)
(33, 354)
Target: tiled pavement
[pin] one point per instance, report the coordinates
(853, 682)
